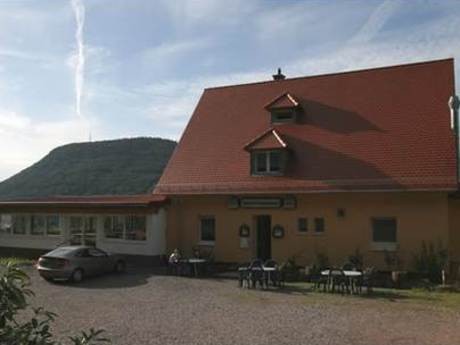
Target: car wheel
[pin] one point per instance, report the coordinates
(120, 266)
(77, 275)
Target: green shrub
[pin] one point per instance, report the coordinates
(431, 260)
(14, 292)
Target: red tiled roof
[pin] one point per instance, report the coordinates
(378, 129)
(97, 201)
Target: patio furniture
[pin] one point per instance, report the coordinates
(271, 273)
(243, 276)
(256, 273)
(194, 262)
(341, 278)
(366, 279)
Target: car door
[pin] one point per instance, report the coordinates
(100, 260)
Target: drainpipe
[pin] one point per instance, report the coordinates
(454, 103)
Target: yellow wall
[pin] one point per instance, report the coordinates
(454, 230)
(421, 216)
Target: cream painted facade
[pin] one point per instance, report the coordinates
(420, 216)
(154, 245)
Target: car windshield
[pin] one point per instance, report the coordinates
(63, 251)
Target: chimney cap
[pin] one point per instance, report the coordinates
(279, 75)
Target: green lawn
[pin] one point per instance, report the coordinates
(423, 297)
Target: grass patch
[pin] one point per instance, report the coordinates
(16, 261)
(437, 298)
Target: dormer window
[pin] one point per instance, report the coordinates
(283, 116)
(283, 109)
(267, 162)
(268, 154)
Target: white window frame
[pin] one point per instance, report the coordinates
(45, 230)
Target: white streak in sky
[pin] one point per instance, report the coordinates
(79, 62)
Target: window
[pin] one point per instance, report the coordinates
(302, 225)
(19, 224)
(132, 228)
(6, 223)
(267, 162)
(384, 230)
(135, 228)
(114, 227)
(208, 230)
(283, 116)
(53, 225)
(319, 225)
(97, 253)
(37, 225)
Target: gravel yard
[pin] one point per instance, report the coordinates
(142, 308)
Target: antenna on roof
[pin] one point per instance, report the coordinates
(279, 75)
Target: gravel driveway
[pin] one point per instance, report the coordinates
(142, 308)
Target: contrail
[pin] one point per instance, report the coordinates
(79, 62)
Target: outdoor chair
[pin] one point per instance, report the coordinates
(244, 276)
(366, 279)
(319, 279)
(256, 273)
(339, 280)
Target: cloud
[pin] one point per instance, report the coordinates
(78, 58)
(25, 141)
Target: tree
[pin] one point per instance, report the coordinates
(14, 294)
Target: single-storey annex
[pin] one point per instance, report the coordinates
(289, 168)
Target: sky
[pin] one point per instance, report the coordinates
(80, 70)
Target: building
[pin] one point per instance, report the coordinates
(134, 225)
(320, 166)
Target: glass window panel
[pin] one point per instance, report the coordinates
(319, 224)
(208, 229)
(275, 161)
(113, 227)
(302, 225)
(53, 226)
(76, 230)
(261, 161)
(136, 228)
(37, 225)
(19, 224)
(6, 223)
(384, 230)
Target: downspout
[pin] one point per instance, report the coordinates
(454, 103)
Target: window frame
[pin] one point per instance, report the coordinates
(32, 227)
(280, 115)
(124, 230)
(299, 230)
(267, 154)
(317, 221)
(200, 230)
(5, 230)
(384, 245)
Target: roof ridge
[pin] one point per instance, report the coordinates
(402, 65)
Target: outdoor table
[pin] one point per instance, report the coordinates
(268, 271)
(194, 262)
(351, 275)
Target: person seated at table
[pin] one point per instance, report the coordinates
(174, 261)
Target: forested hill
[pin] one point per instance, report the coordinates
(113, 167)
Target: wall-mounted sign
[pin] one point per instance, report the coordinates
(244, 230)
(278, 231)
(287, 202)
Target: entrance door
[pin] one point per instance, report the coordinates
(264, 248)
(83, 230)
